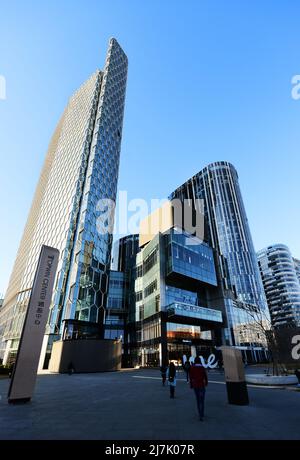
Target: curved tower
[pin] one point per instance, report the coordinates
(228, 232)
(281, 284)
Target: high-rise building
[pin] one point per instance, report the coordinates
(68, 211)
(228, 232)
(297, 267)
(281, 283)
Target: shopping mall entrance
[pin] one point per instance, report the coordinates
(177, 350)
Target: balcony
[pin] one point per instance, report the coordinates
(194, 312)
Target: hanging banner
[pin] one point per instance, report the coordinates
(26, 365)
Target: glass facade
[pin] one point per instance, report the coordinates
(192, 311)
(116, 311)
(183, 331)
(81, 168)
(297, 267)
(281, 283)
(244, 331)
(193, 260)
(229, 234)
(75, 330)
(177, 298)
(176, 294)
(124, 259)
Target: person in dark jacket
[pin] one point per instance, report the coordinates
(198, 382)
(71, 368)
(163, 371)
(171, 376)
(186, 368)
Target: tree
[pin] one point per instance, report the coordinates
(262, 320)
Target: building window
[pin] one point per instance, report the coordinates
(152, 287)
(141, 312)
(150, 261)
(157, 303)
(139, 271)
(139, 296)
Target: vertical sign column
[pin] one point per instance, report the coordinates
(235, 376)
(26, 366)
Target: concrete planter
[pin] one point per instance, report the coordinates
(262, 379)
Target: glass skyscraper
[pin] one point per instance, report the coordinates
(80, 169)
(229, 234)
(280, 277)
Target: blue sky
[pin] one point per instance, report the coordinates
(207, 81)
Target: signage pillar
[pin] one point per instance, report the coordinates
(235, 376)
(26, 365)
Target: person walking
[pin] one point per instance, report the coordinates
(171, 376)
(71, 368)
(198, 382)
(183, 361)
(186, 368)
(163, 371)
(220, 364)
(191, 360)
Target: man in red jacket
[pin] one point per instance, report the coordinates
(198, 381)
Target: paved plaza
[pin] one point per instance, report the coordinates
(133, 405)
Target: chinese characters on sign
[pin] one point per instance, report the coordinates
(26, 366)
